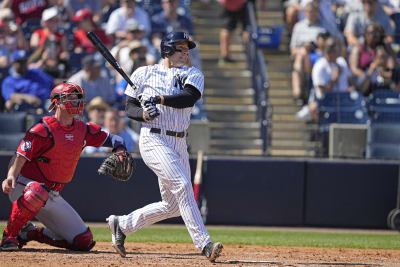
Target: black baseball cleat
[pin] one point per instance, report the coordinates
(23, 238)
(117, 236)
(212, 250)
(9, 243)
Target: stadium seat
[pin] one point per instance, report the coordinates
(384, 106)
(13, 122)
(10, 141)
(342, 107)
(383, 141)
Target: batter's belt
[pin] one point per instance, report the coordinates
(167, 132)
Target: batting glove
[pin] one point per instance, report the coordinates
(150, 112)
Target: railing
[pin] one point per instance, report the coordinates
(259, 79)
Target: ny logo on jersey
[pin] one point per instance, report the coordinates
(179, 81)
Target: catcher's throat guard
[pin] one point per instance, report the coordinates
(119, 166)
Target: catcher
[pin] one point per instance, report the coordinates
(44, 162)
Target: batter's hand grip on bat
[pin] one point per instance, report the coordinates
(108, 56)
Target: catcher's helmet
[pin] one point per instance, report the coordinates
(167, 43)
(60, 93)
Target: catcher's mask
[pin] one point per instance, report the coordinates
(61, 94)
(167, 44)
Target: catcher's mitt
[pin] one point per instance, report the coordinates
(113, 167)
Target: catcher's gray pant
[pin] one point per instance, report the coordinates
(61, 220)
(167, 156)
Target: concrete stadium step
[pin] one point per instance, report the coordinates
(277, 152)
(299, 144)
(285, 109)
(229, 100)
(295, 126)
(222, 82)
(279, 92)
(228, 73)
(292, 135)
(235, 92)
(230, 113)
(211, 64)
(236, 144)
(236, 152)
(220, 130)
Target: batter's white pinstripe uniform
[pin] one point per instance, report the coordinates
(167, 155)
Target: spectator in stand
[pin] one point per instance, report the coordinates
(95, 81)
(137, 58)
(295, 12)
(358, 21)
(116, 24)
(96, 109)
(46, 57)
(108, 7)
(50, 26)
(380, 74)
(233, 12)
(84, 19)
(23, 89)
(95, 6)
(113, 123)
(95, 112)
(172, 18)
(302, 43)
(25, 10)
(329, 74)
(134, 33)
(11, 37)
(362, 56)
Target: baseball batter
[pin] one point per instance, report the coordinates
(163, 99)
(44, 162)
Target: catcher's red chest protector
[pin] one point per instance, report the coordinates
(63, 156)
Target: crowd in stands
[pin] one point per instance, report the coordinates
(44, 42)
(342, 45)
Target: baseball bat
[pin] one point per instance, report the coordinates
(198, 176)
(108, 56)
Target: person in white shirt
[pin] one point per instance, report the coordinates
(116, 24)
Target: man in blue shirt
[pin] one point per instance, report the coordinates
(25, 89)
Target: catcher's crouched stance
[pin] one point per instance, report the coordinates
(44, 162)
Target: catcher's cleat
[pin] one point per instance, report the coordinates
(9, 243)
(212, 250)
(118, 237)
(23, 234)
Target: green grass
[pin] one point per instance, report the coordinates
(179, 234)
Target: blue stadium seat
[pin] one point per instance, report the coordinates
(342, 107)
(383, 141)
(13, 122)
(10, 141)
(384, 106)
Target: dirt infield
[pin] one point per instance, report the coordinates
(163, 254)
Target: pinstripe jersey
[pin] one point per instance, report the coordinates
(167, 156)
(160, 80)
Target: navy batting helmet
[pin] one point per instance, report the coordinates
(167, 44)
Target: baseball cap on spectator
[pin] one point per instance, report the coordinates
(136, 45)
(82, 14)
(132, 26)
(19, 55)
(95, 60)
(50, 13)
(97, 103)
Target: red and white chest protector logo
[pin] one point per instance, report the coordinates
(69, 137)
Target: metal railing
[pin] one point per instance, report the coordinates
(259, 78)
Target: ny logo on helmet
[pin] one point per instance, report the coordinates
(185, 35)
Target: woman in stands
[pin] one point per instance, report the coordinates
(364, 64)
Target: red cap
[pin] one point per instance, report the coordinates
(82, 14)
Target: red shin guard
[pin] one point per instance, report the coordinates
(26, 207)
